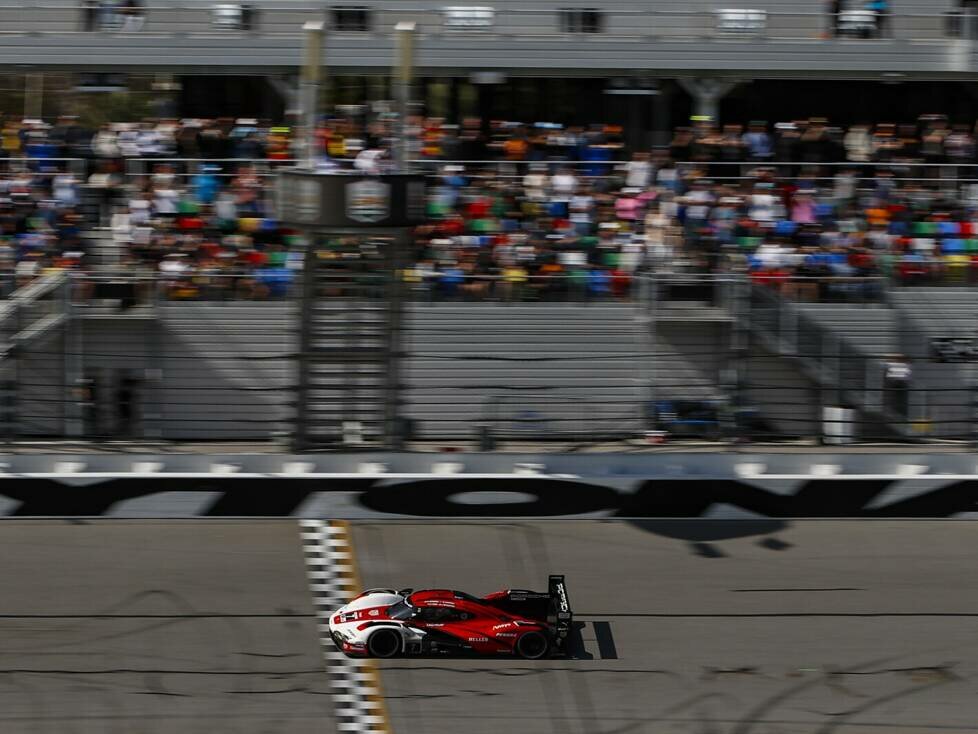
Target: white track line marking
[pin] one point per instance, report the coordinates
(330, 564)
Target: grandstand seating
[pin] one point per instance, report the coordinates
(532, 370)
(869, 328)
(940, 312)
(783, 396)
(235, 381)
(946, 401)
(527, 370)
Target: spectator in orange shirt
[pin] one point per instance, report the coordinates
(516, 147)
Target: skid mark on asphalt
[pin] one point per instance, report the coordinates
(355, 684)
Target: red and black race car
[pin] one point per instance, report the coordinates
(383, 623)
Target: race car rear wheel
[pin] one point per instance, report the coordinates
(532, 645)
(384, 643)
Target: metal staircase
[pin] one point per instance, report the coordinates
(940, 330)
(349, 345)
(846, 372)
(37, 352)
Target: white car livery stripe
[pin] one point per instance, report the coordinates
(331, 567)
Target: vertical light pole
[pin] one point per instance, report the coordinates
(405, 31)
(314, 32)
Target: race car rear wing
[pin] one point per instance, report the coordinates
(559, 614)
(551, 606)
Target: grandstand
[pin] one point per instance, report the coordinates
(536, 314)
(299, 299)
(718, 254)
(580, 372)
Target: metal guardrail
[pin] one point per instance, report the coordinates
(669, 287)
(717, 170)
(136, 294)
(43, 167)
(672, 290)
(823, 173)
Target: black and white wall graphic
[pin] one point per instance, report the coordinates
(461, 496)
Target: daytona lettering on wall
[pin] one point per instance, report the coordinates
(250, 497)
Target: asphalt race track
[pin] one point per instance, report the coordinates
(819, 627)
(122, 627)
(812, 628)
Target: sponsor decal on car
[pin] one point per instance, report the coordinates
(562, 598)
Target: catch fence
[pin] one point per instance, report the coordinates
(681, 358)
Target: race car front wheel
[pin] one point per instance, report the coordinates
(384, 644)
(532, 645)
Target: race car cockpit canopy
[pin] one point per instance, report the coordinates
(401, 610)
(440, 597)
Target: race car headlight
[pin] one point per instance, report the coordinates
(344, 635)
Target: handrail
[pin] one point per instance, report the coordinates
(38, 287)
(831, 164)
(548, 162)
(848, 369)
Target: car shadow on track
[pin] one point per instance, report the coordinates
(580, 645)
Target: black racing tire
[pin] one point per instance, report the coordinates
(384, 643)
(532, 645)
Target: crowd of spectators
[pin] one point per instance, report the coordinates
(208, 227)
(210, 235)
(550, 232)
(344, 138)
(40, 226)
(931, 139)
(831, 236)
(521, 212)
(214, 139)
(813, 230)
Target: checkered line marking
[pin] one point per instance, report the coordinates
(330, 564)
